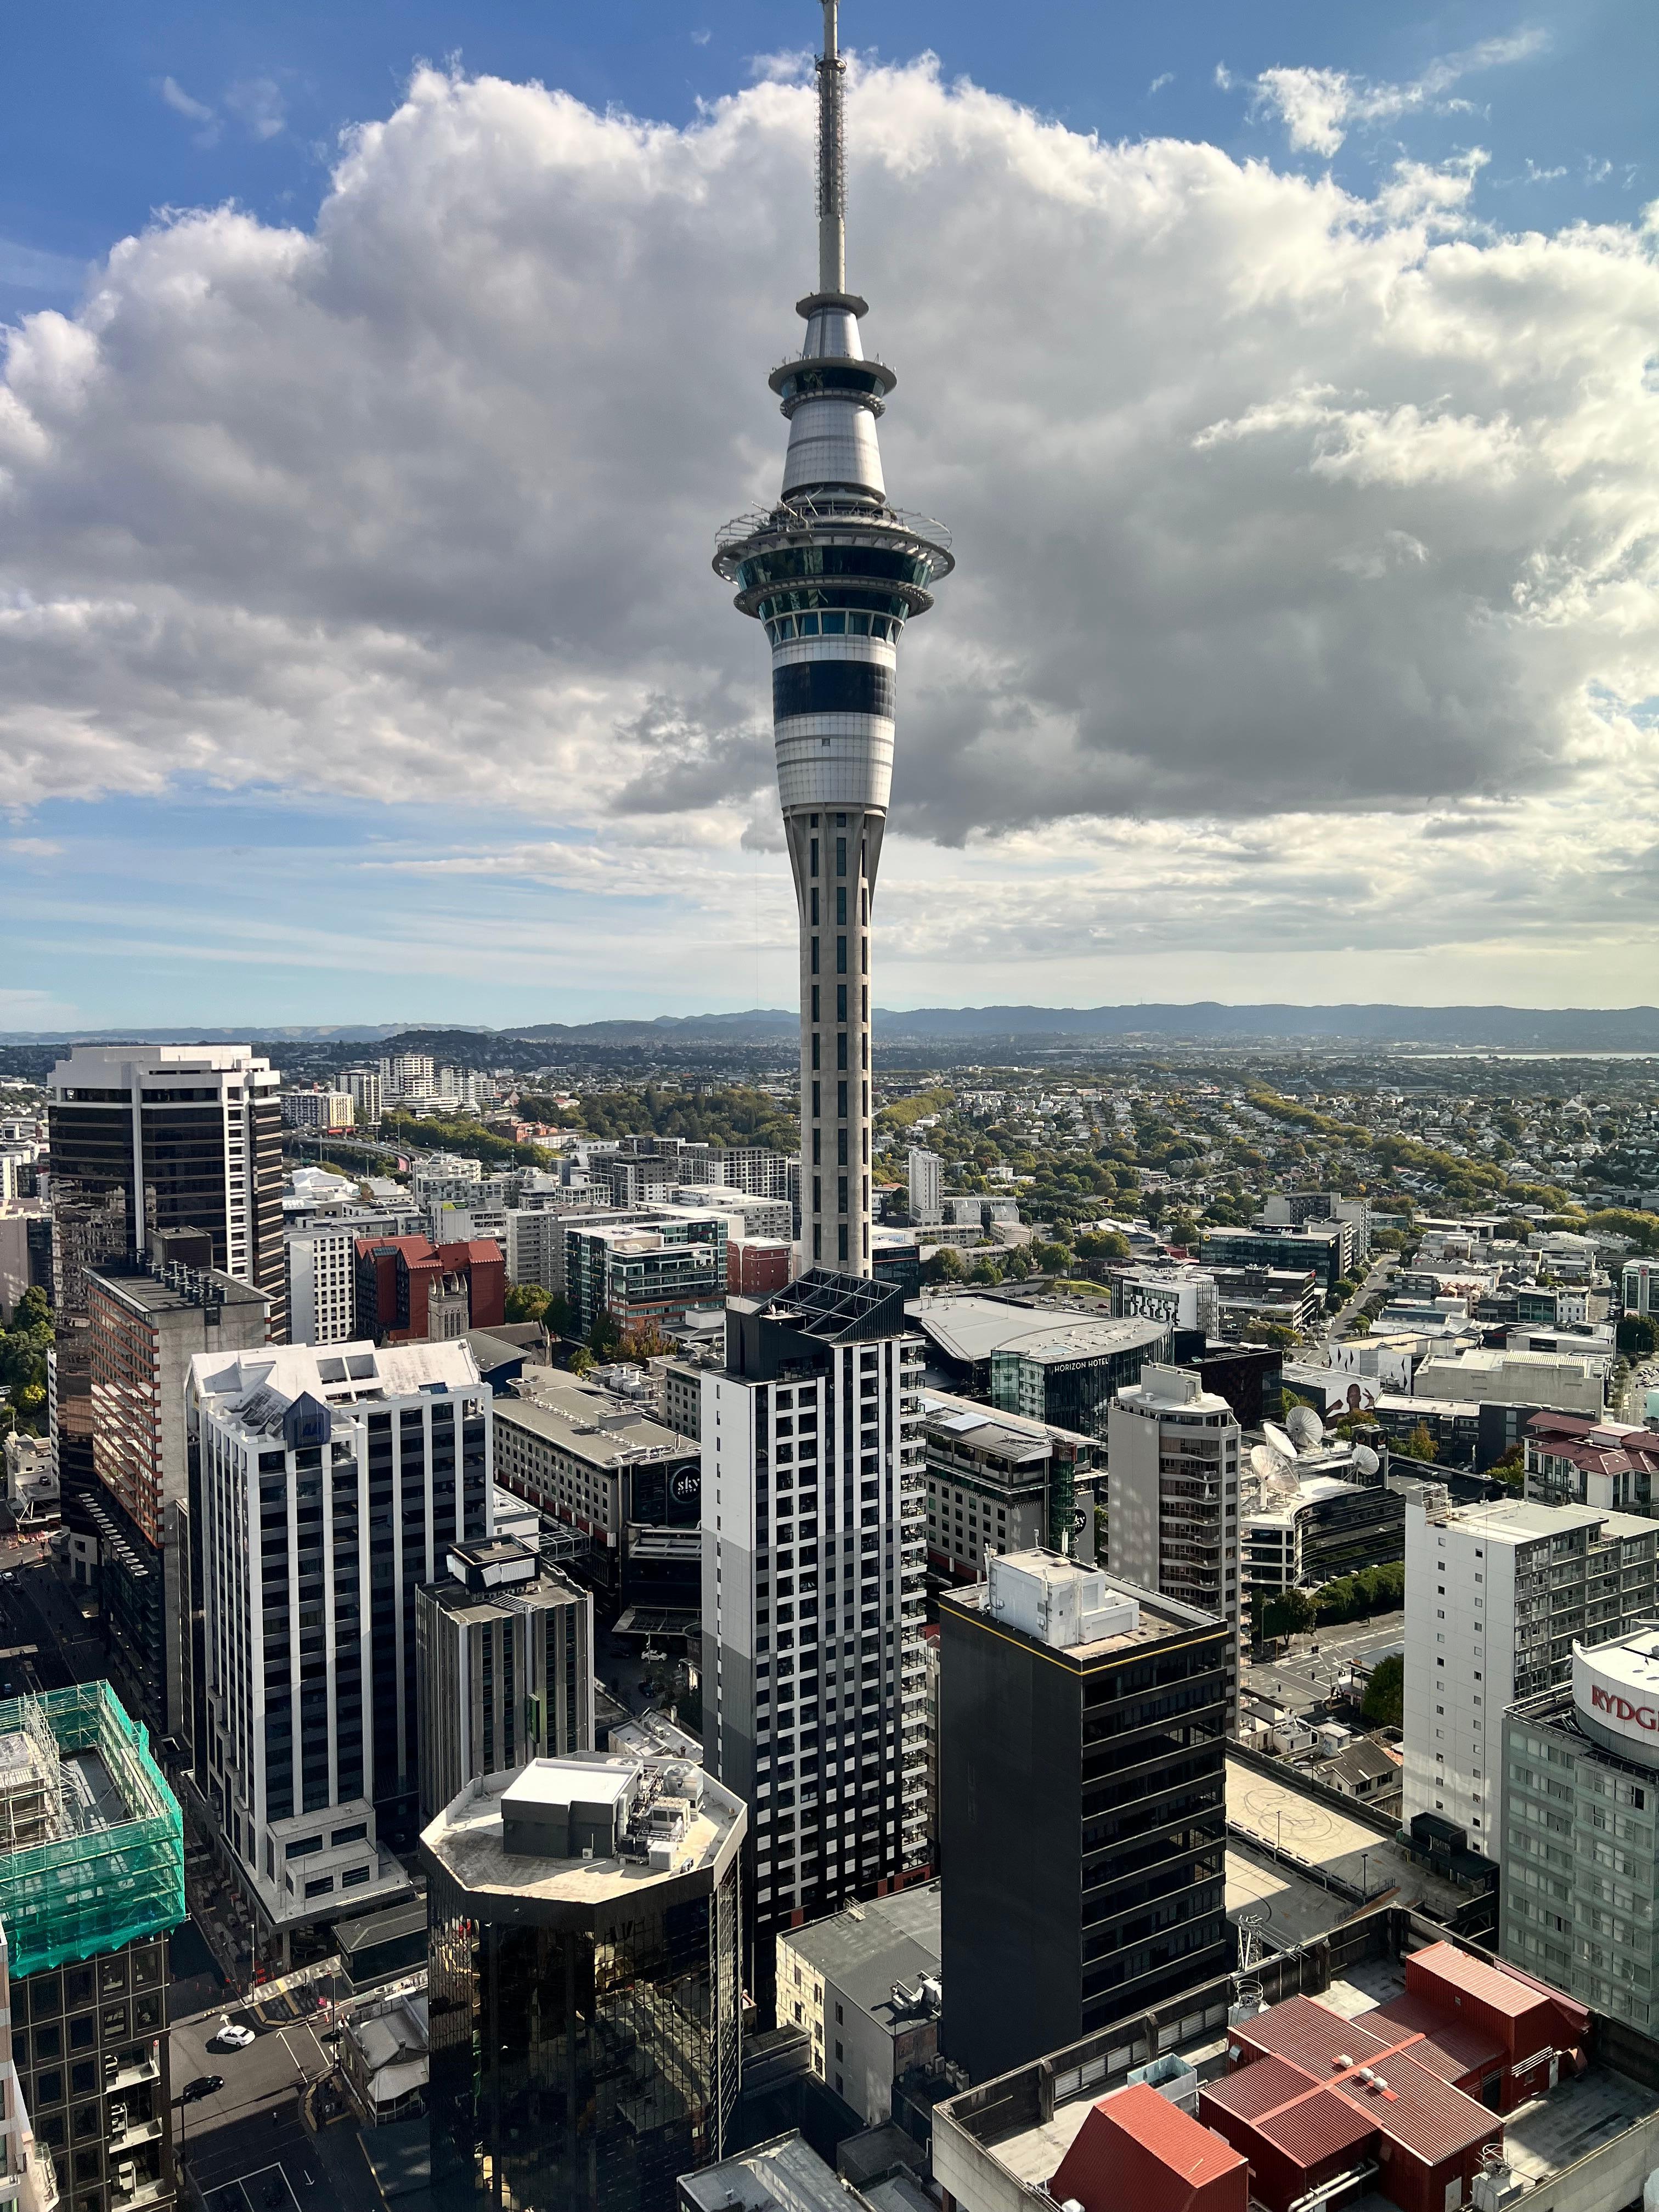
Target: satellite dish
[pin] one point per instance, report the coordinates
(1277, 1437)
(1267, 1464)
(1366, 1459)
(1305, 1427)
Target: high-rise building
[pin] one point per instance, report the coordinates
(1172, 1499)
(814, 1548)
(322, 1281)
(92, 1879)
(146, 1325)
(410, 1075)
(833, 571)
(503, 1669)
(333, 1484)
(362, 1086)
(1496, 1598)
(320, 1111)
(1083, 1732)
(191, 1136)
(584, 1984)
(927, 1176)
(1580, 1768)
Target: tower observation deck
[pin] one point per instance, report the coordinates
(834, 572)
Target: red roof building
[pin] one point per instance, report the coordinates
(396, 1276)
(1402, 2099)
(1138, 2151)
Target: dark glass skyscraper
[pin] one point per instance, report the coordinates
(834, 572)
(583, 1984)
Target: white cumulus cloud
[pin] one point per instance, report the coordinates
(1269, 501)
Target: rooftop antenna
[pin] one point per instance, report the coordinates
(832, 174)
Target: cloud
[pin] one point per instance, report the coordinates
(194, 111)
(1319, 106)
(1271, 504)
(1158, 82)
(257, 102)
(31, 849)
(701, 37)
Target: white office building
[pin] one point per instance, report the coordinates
(1172, 1456)
(814, 1545)
(321, 1293)
(1496, 1597)
(927, 1185)
(1639, 1287)
(363, 1087)
(333, 1484)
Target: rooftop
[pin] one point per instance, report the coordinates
(1155, 1617)
(467, 1840)
(1304, 1836)
(784, 2175)
(256, 1388)
(592, 1424)
(969, 1329)
(864, 1950)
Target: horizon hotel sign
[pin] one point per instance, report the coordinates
(1615, 1693)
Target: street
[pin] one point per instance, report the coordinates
(247, 2147)
(1383, 1270)
(1304, 1676)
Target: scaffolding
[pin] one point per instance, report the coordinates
(114, 1870)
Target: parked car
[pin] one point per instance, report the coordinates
(232, 2036)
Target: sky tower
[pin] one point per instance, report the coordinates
(833, 571)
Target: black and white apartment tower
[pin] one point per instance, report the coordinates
(814, 1689)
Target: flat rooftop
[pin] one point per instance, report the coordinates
(865, 1949)
(1306, 1828)
(969, 1329)
(466, 1841)
(1520, 1521)
(591, 1424)
(1159, 1617)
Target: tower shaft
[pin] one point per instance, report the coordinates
(834, 573)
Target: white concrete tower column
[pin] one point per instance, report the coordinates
(834, 572)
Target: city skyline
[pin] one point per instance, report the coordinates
(1292, 439)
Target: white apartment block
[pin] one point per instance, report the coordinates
(332, 1485)
(927, 1185)
(322, 1304)
(814, 1546)
(320, 1111)
(749, 1216)
(1639, 1287)
(1172, 1457)
(1496, 1597)
(363, 1087)
(409, 1076)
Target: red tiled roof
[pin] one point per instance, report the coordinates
(1452, 2047)
(1137, 2148)
(1311, 2034)
(1421, 2114)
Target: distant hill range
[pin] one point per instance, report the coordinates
(1509, 1028)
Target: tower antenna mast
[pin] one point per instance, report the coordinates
(832, 174)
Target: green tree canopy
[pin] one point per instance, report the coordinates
(1384, 1701)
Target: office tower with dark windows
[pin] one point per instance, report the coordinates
(584, 1984)
(1082, 1744)
(333, 1484)
(503, 1669)
(834, 572)
(190, 1135)
(814, 1690)
(145, 1326)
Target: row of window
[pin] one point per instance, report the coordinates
(788, 627)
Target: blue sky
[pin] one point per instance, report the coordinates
(192, 885)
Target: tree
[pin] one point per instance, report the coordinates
(31, 1311)
(1420, 1444)
(1637, 1336)
(645, 1340)
(1384, 1701)
(1511, 1469)
(527, 1302)
(944, 1265)
(582, 1361)
(1103, 1244)
(1289, 1611)
(605, 1338)
(985, 1271)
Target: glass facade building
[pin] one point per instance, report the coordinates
(584, 1988)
